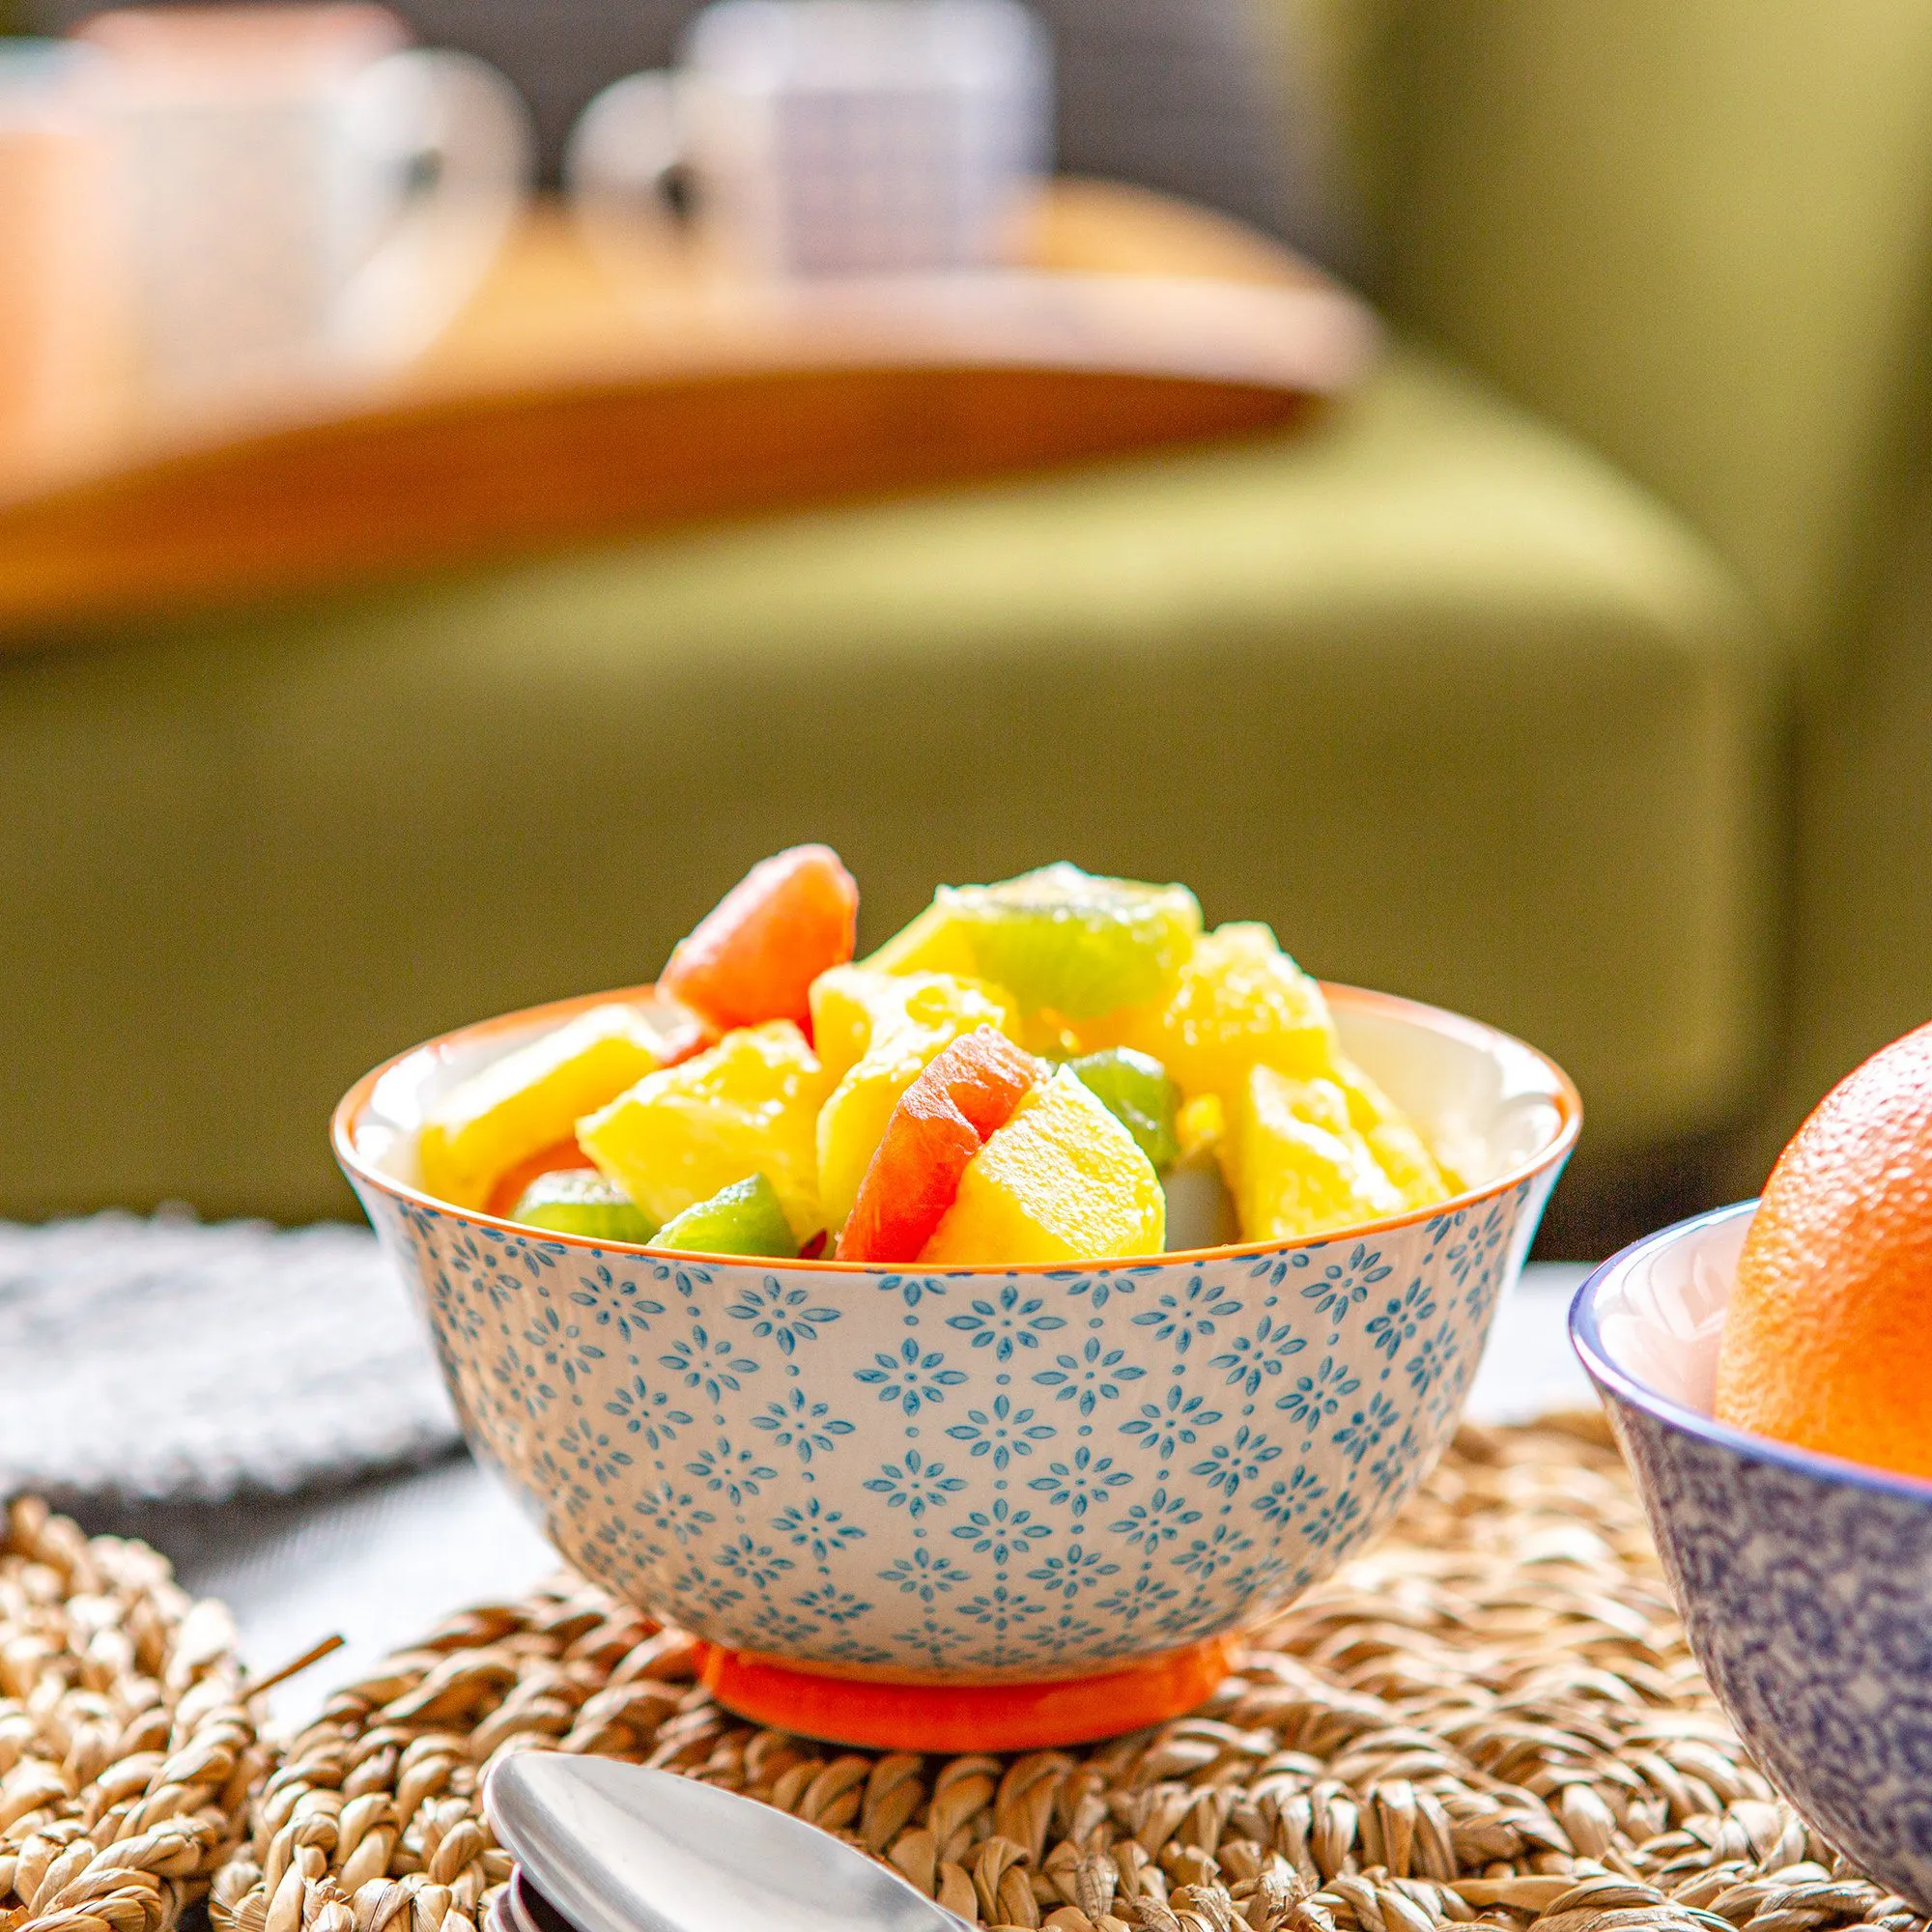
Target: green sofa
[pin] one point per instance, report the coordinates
(1697, 234)
(1566, 674)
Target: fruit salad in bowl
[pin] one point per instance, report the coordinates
(964, 1341)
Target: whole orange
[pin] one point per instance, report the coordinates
(1828, 1340)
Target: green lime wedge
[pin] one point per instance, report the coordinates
(580, 1201)
(1135, 1087)
(745, 1218)
(1061, 938)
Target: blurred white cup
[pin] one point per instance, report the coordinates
(302, 195)
(830, 137)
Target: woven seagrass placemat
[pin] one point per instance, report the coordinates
(1491, 1717)
(127, 1750)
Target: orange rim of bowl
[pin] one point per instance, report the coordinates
(1568, 1104)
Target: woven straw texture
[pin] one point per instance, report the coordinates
(126, 1753)
(1491, 1717)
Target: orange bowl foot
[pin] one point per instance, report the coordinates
(883, 1716)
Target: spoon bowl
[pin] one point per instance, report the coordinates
(613, 1847)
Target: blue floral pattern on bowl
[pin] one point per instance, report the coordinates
(1009, 1475)
(1806, 1582)
(985, 1475)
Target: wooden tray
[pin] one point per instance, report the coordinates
(569, 403)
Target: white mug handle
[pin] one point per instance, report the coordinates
(455, 119)
(619, 159)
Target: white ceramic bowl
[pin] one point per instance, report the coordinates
(1019, 1496)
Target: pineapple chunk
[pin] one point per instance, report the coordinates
(1298, 1166)
(876, 1034)
(748, 1106)
(1401, 1152)
(854, 1008)
(1062, 1181)
(1241, 1003)
(531, 1100)
(845, 1007)
(935, 942)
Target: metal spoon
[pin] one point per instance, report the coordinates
(615, 1847)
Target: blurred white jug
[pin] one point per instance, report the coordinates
(825, 137)
(304, 196)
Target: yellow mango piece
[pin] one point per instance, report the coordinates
(935, 942)
(1241, 1002)
(878, 1032)
(1400, 1150)
(533, 1098)
(1062, 1181)
(748, 1106)
(1297, 1166)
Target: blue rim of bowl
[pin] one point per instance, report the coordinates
(1612, 1379)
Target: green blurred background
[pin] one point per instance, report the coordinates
(1576, 673)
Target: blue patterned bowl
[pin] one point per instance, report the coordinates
(997, 1500)
(1806, 1582)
